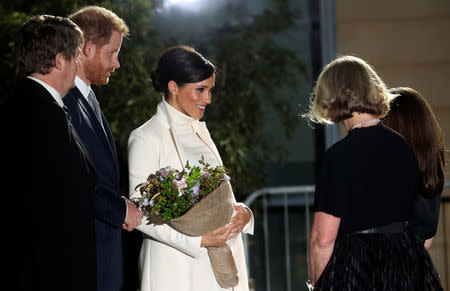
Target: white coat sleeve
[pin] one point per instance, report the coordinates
(143, 159)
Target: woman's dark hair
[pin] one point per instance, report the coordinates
(181, 64)
(412, 117)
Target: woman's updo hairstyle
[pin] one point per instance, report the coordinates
(181, 64)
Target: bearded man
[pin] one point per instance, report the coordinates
(104, 32)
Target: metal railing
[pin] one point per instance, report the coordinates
(307, 191)
(304, 197)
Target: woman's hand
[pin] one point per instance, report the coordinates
(242, 217)
(216, 237)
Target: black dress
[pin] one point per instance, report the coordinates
(370, 179)
(425, 216)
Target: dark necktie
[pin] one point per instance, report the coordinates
(95, 106)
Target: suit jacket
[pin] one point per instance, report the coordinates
(170, 260)
(51, 225)
(110, 208)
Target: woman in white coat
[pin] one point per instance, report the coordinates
(170, 260)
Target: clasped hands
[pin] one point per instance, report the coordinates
(220, 236)
(217, 237)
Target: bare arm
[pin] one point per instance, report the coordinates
(321, 243)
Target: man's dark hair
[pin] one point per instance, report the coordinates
(41, 38)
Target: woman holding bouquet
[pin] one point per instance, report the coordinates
(365, 192)
(170, 260)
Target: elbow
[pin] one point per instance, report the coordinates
(324, 231)
(322, 242)
(326, 244)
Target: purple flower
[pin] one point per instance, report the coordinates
(195, 189)
(164, 172)
(206, 174)
(180, 185)
(145, 202)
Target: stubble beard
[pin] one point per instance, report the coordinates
(96, 73)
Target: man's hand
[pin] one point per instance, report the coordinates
(133, 218)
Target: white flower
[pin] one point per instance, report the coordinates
(145, 203)
(180, 185)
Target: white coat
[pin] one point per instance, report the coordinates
(170, 260)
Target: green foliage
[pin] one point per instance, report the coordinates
(169, 193)
(10, 21)
(251, 78)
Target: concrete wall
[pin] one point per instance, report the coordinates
(408, 43)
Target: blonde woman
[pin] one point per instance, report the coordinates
(365, 192)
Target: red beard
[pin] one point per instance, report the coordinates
(96, 73)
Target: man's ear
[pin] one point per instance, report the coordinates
(172, 86)
(88, 48)
(60, 61)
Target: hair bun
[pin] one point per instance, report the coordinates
(156, 81)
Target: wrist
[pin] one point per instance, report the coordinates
(203, 242)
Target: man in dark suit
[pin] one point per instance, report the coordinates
(103, 32)
(51, 240)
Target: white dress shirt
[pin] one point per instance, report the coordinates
(84, 89)
(50, 89)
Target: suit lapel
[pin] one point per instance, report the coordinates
(103, 132)
(80, 144)
(45, 96)
(110, 138)
(201, 130)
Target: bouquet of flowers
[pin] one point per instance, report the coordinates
(194, 201)
(169, 193)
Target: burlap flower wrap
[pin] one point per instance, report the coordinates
(210, 213)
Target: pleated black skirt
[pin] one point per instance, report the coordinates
(379, 262)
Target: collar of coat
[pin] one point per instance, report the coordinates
(199, 127)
